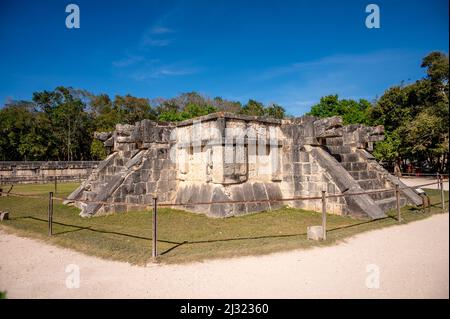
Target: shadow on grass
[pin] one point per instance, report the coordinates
(179, 244)
(79, 228)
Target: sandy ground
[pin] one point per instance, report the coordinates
(407, 261)
(413, 181)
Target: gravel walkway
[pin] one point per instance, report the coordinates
(410, 261)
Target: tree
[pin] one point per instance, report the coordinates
(419, 113)
(191, 110)
(253, 108)
(194, 110)
(98, 150)
(388, 150)
(275, 111)
(226, 106)
(172, 115)
(133, 109)
(16, 121)
(105, 113)
(415, 116)
(68, 125)
(437, 65)
(351, 111)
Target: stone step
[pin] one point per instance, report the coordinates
(337, 157)
(354, 166)
(96, 185)
(113, 170)
(382, 195)
(338, 150)
(89, 195)
(361, 175)
(389, 203)
(107, 178)
(350, 157)
(369, 184)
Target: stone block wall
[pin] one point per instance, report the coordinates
(189, 163)
(19, 172)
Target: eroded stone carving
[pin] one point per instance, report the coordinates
(226, 157)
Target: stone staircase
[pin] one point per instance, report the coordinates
(368, 179)
(102, 180)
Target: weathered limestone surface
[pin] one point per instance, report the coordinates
(314, 232)
(205, 163)
(138, 167)
(41, 171)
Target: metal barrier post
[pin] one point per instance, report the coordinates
(429, 204)
(154, 228)
(50, 213)
(438, 177)
(324, 216)
(441, 185)
(397, 197)
(423, 203)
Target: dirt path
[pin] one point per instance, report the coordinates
(413, 181)
(412, 260)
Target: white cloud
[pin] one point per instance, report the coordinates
(128, 61)
(299, 85)
(342, 60)
(161, 30)
(148, 41)
(163, 71)
(155, 37)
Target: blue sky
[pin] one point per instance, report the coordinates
(289, 52)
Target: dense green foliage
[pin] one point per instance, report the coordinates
(415, 117)
(59, 124)
(351, 111)
(255, 108)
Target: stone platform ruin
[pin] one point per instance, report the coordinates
(227, 157)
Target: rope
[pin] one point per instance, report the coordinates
(163, 204)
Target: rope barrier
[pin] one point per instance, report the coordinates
(297, 198)
(421, 174)
(418, 186)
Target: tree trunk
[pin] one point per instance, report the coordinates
(397, 171)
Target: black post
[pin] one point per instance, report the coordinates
(441, 184)
(429, 204)
(56, 184)
(397, 197)
(423, 203)
(324, 216)
(154, 230)
(50, 213)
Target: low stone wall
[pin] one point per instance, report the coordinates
(19, 172)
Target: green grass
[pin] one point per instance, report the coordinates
(182, 236)
(63, 189)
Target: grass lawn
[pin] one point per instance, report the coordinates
(182, 236)
(63, 189)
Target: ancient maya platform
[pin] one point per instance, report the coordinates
(229, 157)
